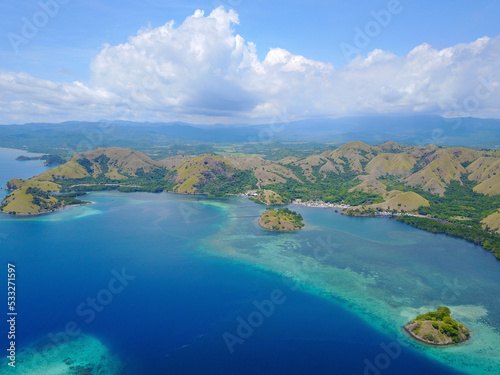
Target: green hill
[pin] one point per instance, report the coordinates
(396, 201)
(458, 188)
(32, 197)
(441, 168)
(394, 164)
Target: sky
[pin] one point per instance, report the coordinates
(247, 61)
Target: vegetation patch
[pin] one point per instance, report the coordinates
(473, 233)
(281, 219)
(267, 197)
(437, 328)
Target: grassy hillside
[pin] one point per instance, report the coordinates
(395, 201)
(395, 164)
(370, 185)
(440, 168)
(212, 175)
(491, 186)
(34, 197)
(492, 222)
(70, 170)
(456, 187)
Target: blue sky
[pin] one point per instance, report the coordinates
(64, 72)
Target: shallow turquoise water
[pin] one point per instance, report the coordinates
(199, 266)
(386, 272)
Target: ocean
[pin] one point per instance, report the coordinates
(174, 284)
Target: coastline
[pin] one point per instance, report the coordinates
(283, 223)
(420, 339)
(280, 230)
(47, 212)
(311, 204)
(340, 284)
(342, 207)
(320, 204)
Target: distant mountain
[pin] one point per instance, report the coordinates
(413, 130)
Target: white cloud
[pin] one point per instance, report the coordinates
(202, 70)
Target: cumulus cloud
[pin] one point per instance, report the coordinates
(203, 70)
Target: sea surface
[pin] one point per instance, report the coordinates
(176, 284)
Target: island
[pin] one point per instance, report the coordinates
(282, 219)
(437, 328)
(50, 160)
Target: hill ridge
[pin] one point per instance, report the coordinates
(448, 184)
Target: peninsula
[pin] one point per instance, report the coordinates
(453, 190)
(50, 160)
(281, 219)
(437, 328)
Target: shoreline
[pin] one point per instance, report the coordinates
(431, 343)
(320, 204)
(48, 212)
(342, 207)
(295, 227)
(308, 283)
(280, 230)
(313, 204)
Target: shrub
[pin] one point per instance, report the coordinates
(429, 336)
(448, 330)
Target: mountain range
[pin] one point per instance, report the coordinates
(149, 137)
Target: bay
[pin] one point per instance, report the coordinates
(12, 168)
(193, 269)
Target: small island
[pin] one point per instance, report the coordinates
(50, 160)
(437, 328)
(281, 219)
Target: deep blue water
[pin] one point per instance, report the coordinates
(171, 318)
